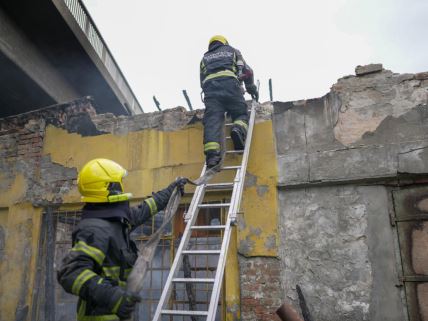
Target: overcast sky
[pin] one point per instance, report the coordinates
(303, 45)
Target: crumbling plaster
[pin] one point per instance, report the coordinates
(314, 150)
(337, 241)
(367, 101)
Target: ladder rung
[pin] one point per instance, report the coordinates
(228, 124)
(228, 137)
(190, 280)
(184, 312)
(231, 167)
(219, 186)
(234, 151)
(201, 252)
(208, 227)
(214, 205)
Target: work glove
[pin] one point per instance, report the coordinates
(252, 90)
(179, 183)
(125, 304)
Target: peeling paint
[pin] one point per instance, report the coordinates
(259, 202)
(241, 223)
(255, 231)
(270, 242)
(233, 312)
(16, 192)
(175, 155)
(262, 190)
(250, 180)
(246, 246)
(367, 101)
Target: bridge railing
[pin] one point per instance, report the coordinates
(84, 20)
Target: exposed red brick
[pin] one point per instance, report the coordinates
(249, 302)
(260, 288)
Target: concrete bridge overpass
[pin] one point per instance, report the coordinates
(51, 52)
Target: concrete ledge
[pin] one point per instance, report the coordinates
(393, 180)
(368, 69)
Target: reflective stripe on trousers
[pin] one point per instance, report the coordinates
(211, 146)
(241, 123)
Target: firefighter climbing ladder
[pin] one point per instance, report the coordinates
(196, 204)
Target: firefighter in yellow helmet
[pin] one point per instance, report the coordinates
(222, 70)
(102, 256)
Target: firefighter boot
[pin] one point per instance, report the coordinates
(238, 135)
(213, 158)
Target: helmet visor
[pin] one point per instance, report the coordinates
(115, 188)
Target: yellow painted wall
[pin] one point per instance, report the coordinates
(21, 223)
(256, 232)
(153, 159)
(258, 228)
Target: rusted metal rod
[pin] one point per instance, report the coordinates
(187, 99)
(157, 103)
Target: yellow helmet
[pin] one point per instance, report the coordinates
(220, 38)
(100, 181)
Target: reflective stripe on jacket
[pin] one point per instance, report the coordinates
(224, 61)
(220, 61)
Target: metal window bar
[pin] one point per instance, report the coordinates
(202, 267)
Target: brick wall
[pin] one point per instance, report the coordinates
(261, 290)
(19, 143)
(21, 147)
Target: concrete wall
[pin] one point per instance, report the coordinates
(339, 157)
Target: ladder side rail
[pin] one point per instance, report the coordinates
(196, 200)
(215, 294)
(235, 201)
(237, 195)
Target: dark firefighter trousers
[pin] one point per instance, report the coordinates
(222, 95)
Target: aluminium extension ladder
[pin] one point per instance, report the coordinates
(237, 187)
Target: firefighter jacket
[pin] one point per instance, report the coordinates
(224, 61)
(103, 254)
